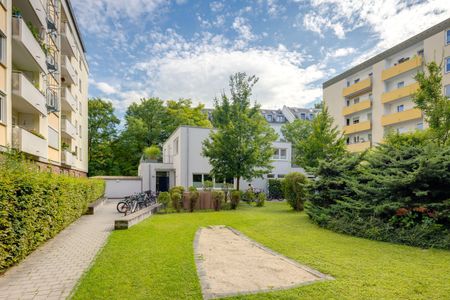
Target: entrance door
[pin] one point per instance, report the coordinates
(162, 181)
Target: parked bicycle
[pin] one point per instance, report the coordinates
(135, 202)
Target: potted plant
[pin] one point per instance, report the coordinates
(152, 153)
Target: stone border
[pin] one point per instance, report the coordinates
(94, 205)
(137, 217)
(202, 274)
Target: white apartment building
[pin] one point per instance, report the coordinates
(184, 165)
(44, 84)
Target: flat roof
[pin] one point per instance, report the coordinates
(383, 55)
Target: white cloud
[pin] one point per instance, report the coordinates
(244, 29)
(216, 6)
(104, 87)
(340, 52)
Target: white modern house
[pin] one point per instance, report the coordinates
(184, 165)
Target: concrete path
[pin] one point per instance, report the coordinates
(52, 271)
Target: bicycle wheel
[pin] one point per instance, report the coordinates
(122, 207)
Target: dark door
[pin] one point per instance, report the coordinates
(163, 184)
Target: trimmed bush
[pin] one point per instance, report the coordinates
(164, 199)
(35, 206)
(295, 191)
(276, 189)
(261, 200)
(248, 196)
(235, 198)
(194, 196)
(176, 200)
(218, 198)
(177, 189)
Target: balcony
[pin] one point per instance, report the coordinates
(358, 147)
(67, 41)
(358, 88)
(68, 73)
(366, 104)
(362, 126)
(27, 54)
(68, 101)
(67, 158)
(33, 11)
(406, 66)
(68, 129)
(407, 115)
(26, 97)
(399, 93)
(28, 142)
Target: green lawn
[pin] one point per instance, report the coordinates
(155, 259)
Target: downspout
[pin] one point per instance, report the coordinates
(187, 159)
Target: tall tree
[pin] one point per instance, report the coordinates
(241, 145)
(102, 131)
(324, 142)
(430, 99)
(296, 131)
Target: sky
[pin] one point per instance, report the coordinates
(188, 49)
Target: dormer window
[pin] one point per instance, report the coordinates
(269, 118)
(303, 116)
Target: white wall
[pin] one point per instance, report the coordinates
(119, 187)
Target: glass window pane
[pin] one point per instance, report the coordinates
(197, 180)
(283, 153)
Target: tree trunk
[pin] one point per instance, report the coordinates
(237, 184)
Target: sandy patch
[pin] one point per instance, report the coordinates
(229, 263)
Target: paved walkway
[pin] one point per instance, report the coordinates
(52, 271)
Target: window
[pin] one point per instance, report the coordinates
(311, 116)
(400, 84)
(270, 176)
(447, 65)
(448, 37)
(53, 138)
(447, 91)
(280, 119)
(81, 110)
(279, 153)
(356, 139)
(281, 175)
(2, 49)
(348, 141)
(348, 122)
(2, 109)
(80, 130)
(197, 180)
(400, 108)
(370, 74)
(420, 52)
(356, 100)
(175, 147)
(303, 116)
(356, 80)
(348, 102)
(348, 83)
(401, 130)
(76, 151)
(79, 85)
(370, 96)
(81, 154)
(419, 126)
(76, 126)
(269, 118)
(369, 116)
(355, 120)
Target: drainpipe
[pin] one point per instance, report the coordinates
(187, 159)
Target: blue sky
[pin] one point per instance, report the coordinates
(188, 49)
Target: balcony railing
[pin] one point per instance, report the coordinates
(407, 115)
(68, 72)
(359, 147)
(67, 40)
(399, 93)
(68, 101)
(358, 88)
(33, 11)
(67, 158)
(403, 67)
(366, 104)
(27, 54)
(28, 142)
(362, 126)
(27, 98)
(68, 128)
(52, 100)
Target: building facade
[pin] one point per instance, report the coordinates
(184, 165)
(374, 98)
(43, 84)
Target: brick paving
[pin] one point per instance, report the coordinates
(52, 271)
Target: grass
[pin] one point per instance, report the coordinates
(155, 259)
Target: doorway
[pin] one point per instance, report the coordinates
(162, 181)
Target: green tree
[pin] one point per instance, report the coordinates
(324, 142)
(430, 99)
(297, 131)
(102, 131)
(241, 147)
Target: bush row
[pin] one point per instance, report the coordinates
(398, 192)
(35, 206)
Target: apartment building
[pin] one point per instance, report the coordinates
(183, 164)
(374, 97)
(43, 84)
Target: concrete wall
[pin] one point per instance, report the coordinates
(119, 187)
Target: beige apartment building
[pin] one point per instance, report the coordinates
(374, 97)
(43, 84)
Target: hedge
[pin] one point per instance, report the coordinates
(276, 189)
(35, 206)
